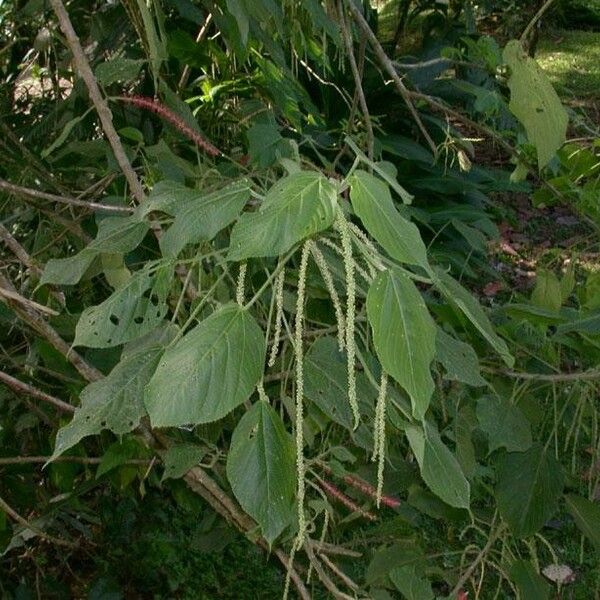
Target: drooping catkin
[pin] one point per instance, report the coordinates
(379, 435)
(279, 283)
(342, 226)
(299, 356)
(360, 234)
(335, 299)
(241, 282)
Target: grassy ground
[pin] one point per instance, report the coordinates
(572, 61)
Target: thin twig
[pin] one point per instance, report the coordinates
(536, 18)
(28, 192)
(387, 64)
(482, 554)
(346, 34)
(340, 574)
(323, 577)
(85, 71)
(24, 388)
(15, 516)
(83, 460)
(30, 316)
(16, 297)
(589, 375)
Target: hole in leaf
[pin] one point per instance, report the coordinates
(103, 423)
(147, 293)
(138, 320)
(114, 319)
(154, 299)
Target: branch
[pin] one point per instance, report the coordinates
(536, 18)
(30, 316)
(83, 460)
(388, 66)
(26, 260)
(25, 523)
(357, 80)
(83, 67)
(24, 388)
(29, 193)
(16, 297)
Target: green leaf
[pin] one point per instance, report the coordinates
(403, 335)
(326, 381)
(203, 216)
(458, 295)
(465, 423)
(589, 325)
(64, 134)
(113, 403)
(118, 69)
(587, 517)
(439, 468)
(180, 458)
(411, 584)
(266, 144)
(118, 454)
(528, 487)
(261, 469)
(209, 372)
(531, 585)
(68, 271)
(504, 424)
(373, 204)
(295, 208)
(535, 103)
(547, 292)
(459, 359)
(128, 313)
(238, 10)
(116, 235)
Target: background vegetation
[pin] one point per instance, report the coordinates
(299, 298)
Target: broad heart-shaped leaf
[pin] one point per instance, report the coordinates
(504, 424)
(115, 402)
(203, 216)
(587, 517)
(459, 359)
(439, 468)
(209, 372)
(118, 69)
(180, 458)
(116, 235)
(531, 585)
(326, 383)
(535, 103)
(411, 584)
(128, 313)
(459, 296)
(528, 487)
(403, 335)
(295, 208)
(326, 380)
(261, 471)
(373, 204)
(547, 293)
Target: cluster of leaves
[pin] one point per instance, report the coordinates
(276, 310)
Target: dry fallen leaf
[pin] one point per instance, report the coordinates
(559, 574)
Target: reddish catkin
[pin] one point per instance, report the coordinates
(336, 493)
(366, 488)
(164, 113)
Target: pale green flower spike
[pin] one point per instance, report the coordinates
(342, 226)
(360, 234)
(335, 299)
(299, 355)
(327, 242)
(279, 282)
(241, 281)
(379, 434)
(261, 391)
